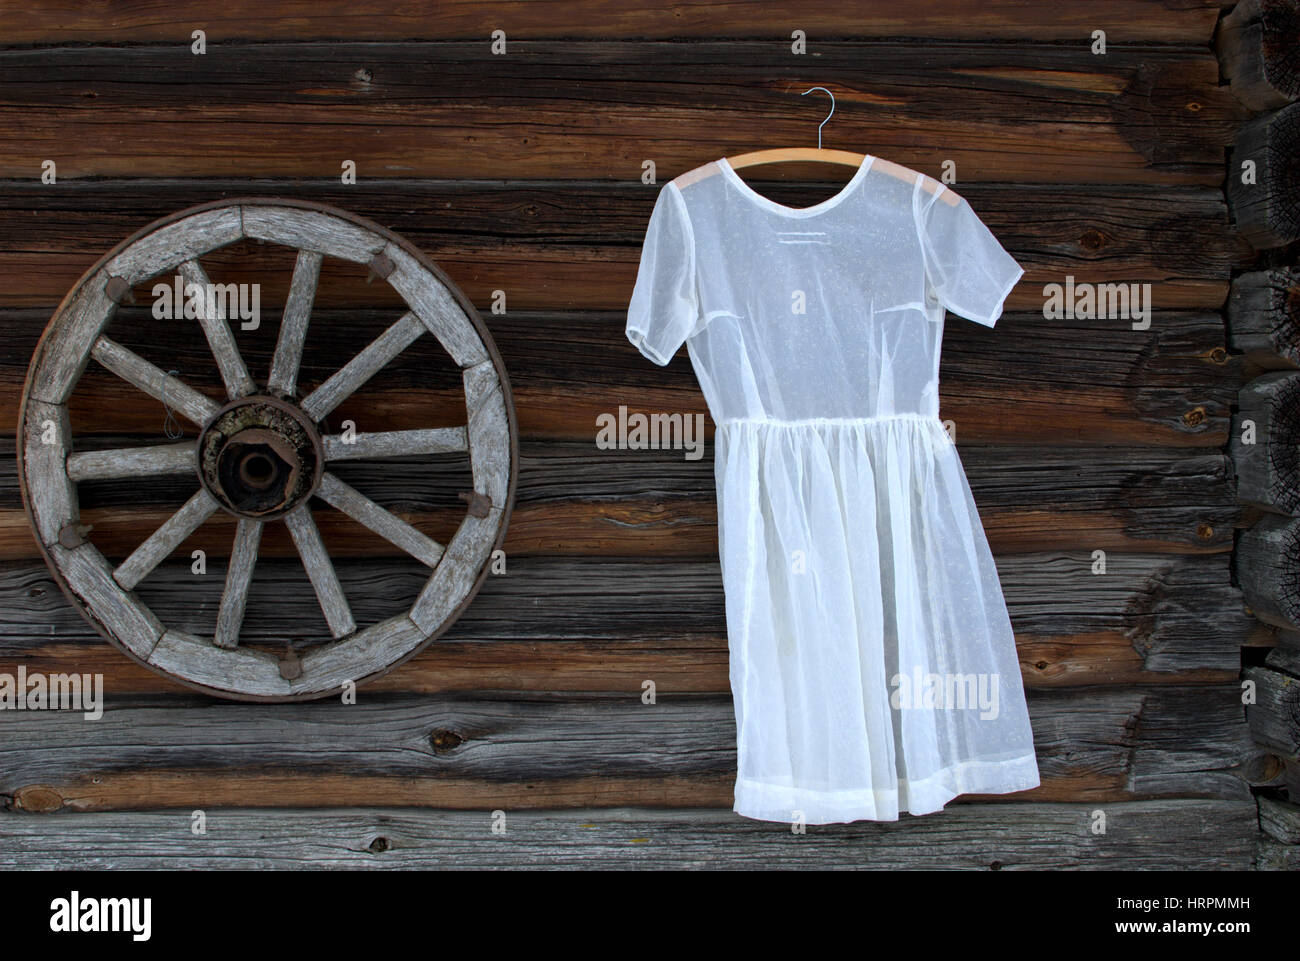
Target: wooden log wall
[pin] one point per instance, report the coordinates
(519, 173)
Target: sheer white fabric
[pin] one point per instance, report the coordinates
(872, 662)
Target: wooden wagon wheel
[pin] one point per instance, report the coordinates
(262, 454)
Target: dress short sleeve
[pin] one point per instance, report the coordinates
(664, 309)
(967, 268)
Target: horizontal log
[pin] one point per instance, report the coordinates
(575, 499)
(1187, 22)
(1036, 381)
(1017, 113)
(1159, 834)
(1149, 617)
(543, 751)
(573, 243)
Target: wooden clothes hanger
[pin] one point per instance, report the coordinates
(819, 154)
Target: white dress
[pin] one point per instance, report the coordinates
(872, 663)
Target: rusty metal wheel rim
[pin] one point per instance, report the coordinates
(104, 594)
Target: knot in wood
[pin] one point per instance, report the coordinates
(444, 741)
(1092, 240)
(1194, 417)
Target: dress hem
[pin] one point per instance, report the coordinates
(762, 800)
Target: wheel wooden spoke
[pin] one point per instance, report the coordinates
(132, 462)
(293, 326)
(233, 372)
(131, 367)
(362, 367)
(333, 604)
(239, 575)
(165, 539)
(396, 443)
(388, 526)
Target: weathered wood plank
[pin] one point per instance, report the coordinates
(572, 244)
(539, 751)
(1188, 22)
(159, 545)
(211, 316)
(283, 378)
(384, 523)
(1037, 381)
(396, 443)
(239, 576)
(362, 367)
(1149, 619)
(132, 462)
(320, 569)
(1000, 111)
(1140, 835)
(157, 383)
(575, 499)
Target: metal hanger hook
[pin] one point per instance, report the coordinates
(828, 116)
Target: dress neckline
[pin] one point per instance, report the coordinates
(770, 204)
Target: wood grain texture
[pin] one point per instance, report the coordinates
(283, 378)
(159, 545)
(120, 612)
(1008, 112)
(570, 243)
(398, 443)
(1160, 834)
(542, 751)
(132, 462)
(239, 577)
(217, 329)
(1188, 22)
(62, 354)
(1263, 314)
(47, 440)
(1149, 618)
(320, 569)
(576, 500)
(349, 378)
(154, 381)
(384, 523)
(1067, 383)
(173, 244)
(1268, 468)
(1267, 566)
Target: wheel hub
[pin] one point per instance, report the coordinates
(260, 457)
